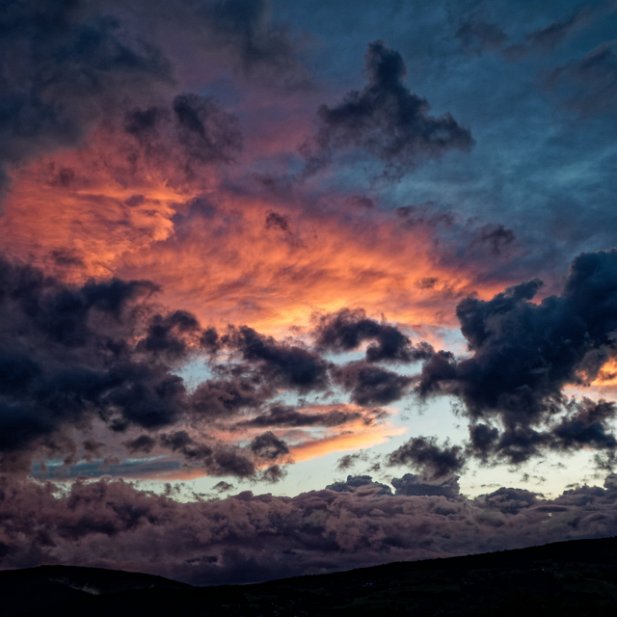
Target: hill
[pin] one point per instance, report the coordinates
(567, 578)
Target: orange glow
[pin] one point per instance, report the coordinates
(344, 442)
(606, 380)
(224, 263)
(362, 430)
(607, 377)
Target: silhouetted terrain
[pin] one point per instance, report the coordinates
(568, 578)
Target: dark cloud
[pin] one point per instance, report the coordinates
(65, 356)
(74, 355)
(386, 120)
(66, 257)
(226, 397)
(478, 35)
(274, 220)
(284, 415)
(370, 384)
(348, 329)
(496, 237)
(353, 483)
(255, 537)
(508, 500)
(143, 443)
(434, 461)
(347, 461)
(214, 458)
(206, 133)
(166, 333)
(288, 365)
(413, 485)
(222, 486)
(426, 214)
(269, 446)
(524, 353)
(194, 132)
(273, 474)
(588, 423)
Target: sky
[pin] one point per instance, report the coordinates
(295, 287)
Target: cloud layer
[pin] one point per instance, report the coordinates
(255, 537)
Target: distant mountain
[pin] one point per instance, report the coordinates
(568, 578)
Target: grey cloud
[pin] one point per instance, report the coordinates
(385, 120)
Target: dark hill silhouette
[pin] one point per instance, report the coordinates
(568, 578)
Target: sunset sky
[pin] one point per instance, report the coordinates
(291, 287)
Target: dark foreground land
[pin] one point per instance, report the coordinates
(569, 578)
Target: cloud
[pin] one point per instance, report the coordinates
(101, 360)
(509, 500)
(413, 485)
(332, 416)
(164, 335)
(223, 398)
(83, 63)
(288, 365)
(370, 384)
(65, 356)
(74, 355)
(436, 462)
(497, 237)
(553, 34)
(263, 48)
(588, 84)
(385, 120)
(587, 424)
(347, 329)
(524, 353)
(214, 458)
(181, 140)
(365, 483)
(249, 537)
(74, 65)
(269, 446)
(478, 35)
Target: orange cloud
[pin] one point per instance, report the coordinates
(101, 211)
(344, 442)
